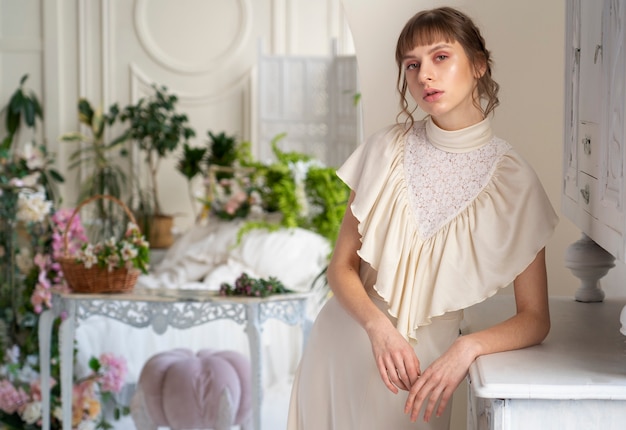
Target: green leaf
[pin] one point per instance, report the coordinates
(17, 101)
(38, 109)
(85, 112)
(12, 121)
(74, 136)
(29, 113)
(6, 142)
(94, 364)
(56, 175)
(120, 139)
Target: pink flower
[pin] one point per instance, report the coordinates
(75, 234)
(11, 399)
(113, 372)
(41, 296)
(234, 202)
(41, 261)
(35, 388)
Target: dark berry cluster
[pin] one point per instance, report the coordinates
(251, 287)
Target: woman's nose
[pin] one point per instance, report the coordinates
(425, 74)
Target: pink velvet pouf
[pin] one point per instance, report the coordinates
(182, 390)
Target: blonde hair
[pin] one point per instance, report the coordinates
(449, 25)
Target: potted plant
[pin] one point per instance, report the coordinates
(100, 159)
(157, 128)
(216, 162)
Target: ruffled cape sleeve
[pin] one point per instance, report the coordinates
(469, 259)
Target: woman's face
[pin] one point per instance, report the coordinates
(442, 81)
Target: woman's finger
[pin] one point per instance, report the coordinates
(382, 369)
(404, 377)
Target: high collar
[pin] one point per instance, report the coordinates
(463, 140)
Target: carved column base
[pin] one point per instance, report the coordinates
(589, 262)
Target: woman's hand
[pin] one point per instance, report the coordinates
(395, 358)
(529, 326)
(439, 381)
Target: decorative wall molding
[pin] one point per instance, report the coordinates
(206, 64)
(140, 85)
(108, 25)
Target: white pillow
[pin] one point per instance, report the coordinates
(295, 256)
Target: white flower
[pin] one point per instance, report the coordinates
(132, 226)
(13, 354)
(33, 156)
(303, 202)
(24, 261)
(27, 373)
(112, 262)
(58, 413)
(86, 425)
(31, 413)
(128, 252)
(33, 207)
(89, 260)
(141, 242)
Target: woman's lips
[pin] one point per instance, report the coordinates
(431, 95)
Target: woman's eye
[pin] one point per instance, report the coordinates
(412, 66)
(441, 57)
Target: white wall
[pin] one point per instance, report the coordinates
(111, 51)
(527, 43)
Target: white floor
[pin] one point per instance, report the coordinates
(276, 404)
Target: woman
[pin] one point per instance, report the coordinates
(442, 215)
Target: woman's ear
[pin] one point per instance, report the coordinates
(480, 69)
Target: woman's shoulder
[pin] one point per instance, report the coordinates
(392, 133)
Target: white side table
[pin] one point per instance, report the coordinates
(574, 380)
(161, 309)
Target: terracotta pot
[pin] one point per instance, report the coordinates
(158, 230)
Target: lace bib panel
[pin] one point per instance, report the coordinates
(441, 184)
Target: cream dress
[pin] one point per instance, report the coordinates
(446, 220)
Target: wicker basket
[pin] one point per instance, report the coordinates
(96, 279)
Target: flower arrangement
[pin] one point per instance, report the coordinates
(20, 393)
(304, 191)
(233, 196)
(297, 188)
(252, 287)
(31, 243)
(132, 251)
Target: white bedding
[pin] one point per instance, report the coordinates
(203, 258)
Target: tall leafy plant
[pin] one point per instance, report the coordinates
(157, 128)
(100, 159)
(95, 155)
